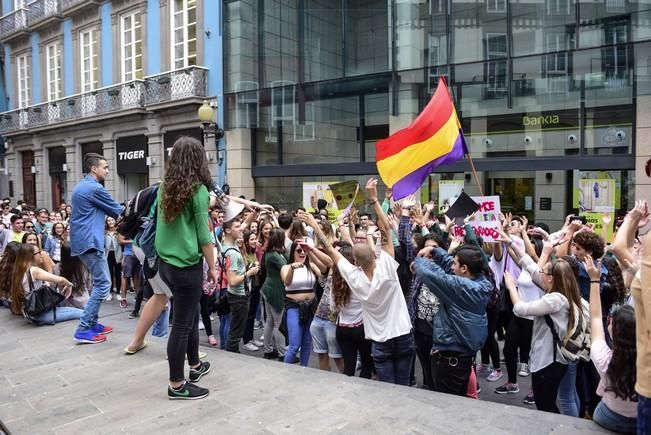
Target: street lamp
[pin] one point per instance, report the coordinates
(206, 115)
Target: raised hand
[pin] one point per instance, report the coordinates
(388, 193)
(409, 201)
(393, 222)
(371, 189)
(397, 209)
(308, 219)
(592, 268)
(418, 215)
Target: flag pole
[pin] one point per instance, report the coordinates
(474, 172)
(467, 154)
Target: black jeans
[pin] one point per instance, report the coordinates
(545, 384)
(206, 306)
(140, 293)
(254, 301)
(451, 372)
(518, 336)
(115, 270)
(587, 381)
(423, 352)
(491, 348)
(351, 341)
(239, 310)
(185, 284)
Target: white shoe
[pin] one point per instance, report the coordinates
(201, 326)
(524, 370)
(251, 347)
(257, 343)
(109, 297)
(262, 337)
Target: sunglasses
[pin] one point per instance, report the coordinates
(300, 251)
(29, 227)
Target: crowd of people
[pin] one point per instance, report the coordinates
(371, 293)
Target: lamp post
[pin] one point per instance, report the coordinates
(206, 114)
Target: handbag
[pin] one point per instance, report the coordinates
(221, 305)
(41, 300)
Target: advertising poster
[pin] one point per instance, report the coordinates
(578, 176)
(486, 223)
(449, 191)
(597, 195)
(313, 191)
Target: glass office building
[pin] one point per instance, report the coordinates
(550, 92)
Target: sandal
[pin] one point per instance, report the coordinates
(128, 351)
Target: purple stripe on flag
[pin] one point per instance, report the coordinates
(412, 182)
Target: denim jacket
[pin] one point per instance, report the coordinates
(91, 202)
(460, 325)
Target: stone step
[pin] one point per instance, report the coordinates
(50, 385)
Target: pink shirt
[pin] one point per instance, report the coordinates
(601, 354)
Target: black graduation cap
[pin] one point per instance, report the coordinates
(462, 207)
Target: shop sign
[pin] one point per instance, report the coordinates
(131, 153)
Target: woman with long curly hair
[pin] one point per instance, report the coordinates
(350, 327)
(182, 236)
(617, 410)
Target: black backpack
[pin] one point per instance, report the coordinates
(136, 211)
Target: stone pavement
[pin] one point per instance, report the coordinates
(49, 385)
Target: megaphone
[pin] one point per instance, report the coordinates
(231, 208)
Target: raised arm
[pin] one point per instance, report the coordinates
(596, 322)
(382, 222)
(625, 237)
(318, 234)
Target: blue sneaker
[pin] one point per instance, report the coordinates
(101, 329)
(90, 337)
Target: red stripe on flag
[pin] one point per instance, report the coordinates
(432, 118)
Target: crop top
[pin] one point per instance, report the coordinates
(303, 281)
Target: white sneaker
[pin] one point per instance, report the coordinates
(262, 337)
(251, 347)
(109, 297)
(494, 375)
(524, 370)
(201, 326)
(257, 343)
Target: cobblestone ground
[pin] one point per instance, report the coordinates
(50, 385)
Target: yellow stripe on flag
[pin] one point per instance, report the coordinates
(419, 154)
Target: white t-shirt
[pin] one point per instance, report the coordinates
(528, 291)
(351, 313)
(601, 355)
(383, 305)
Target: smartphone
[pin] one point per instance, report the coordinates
(579, 218)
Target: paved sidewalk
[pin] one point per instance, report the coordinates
(49, 385)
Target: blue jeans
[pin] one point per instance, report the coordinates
(97, 266)
(63, 315)
(299, 337)
(612, 421)
(643, 415)
(568, 398)
(162, 324)
(224, 325)
(393, 359)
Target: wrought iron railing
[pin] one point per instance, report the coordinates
(13, 22)
(39, 10)
(172, 85)
(161, 88)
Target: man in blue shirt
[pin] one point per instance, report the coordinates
(90, 205)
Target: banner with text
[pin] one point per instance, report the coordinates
(486, 222)
(597, 220)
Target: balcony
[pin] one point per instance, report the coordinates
(70, 7)
(150, 94)
(13, 24)
(43, 12)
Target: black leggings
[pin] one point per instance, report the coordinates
(518, 335)
(185, 284)
(115, 270)
(423, 351)
(587, 381)
(491, 348)
(254, 301)
(545, 384)
(206, 307)
(351, 341)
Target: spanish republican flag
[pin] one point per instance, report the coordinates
(407, 157)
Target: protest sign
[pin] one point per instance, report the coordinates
(449, 191)
(346, 192)
(313, 191)
(486, 222)
(597, 220)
